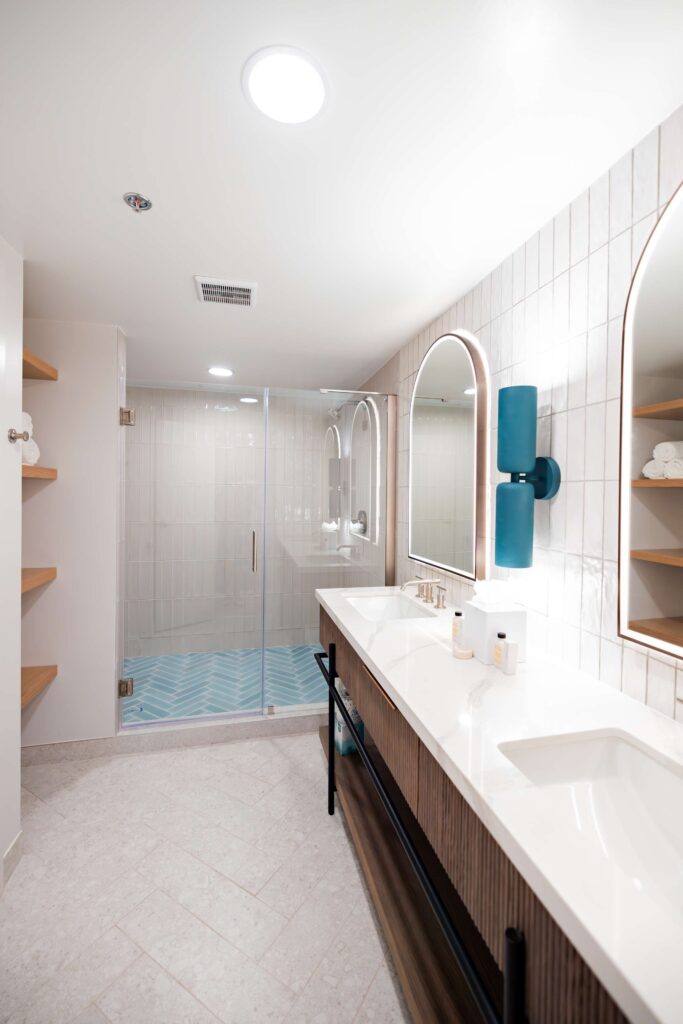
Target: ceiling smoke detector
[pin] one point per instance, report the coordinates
(228, 293)
(137, 202)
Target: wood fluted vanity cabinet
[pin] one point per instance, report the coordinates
(396, 741)
(560, 986)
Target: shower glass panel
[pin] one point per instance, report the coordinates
(236, 512)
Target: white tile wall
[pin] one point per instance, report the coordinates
(552, 316)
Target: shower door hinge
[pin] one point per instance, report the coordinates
(127, 417)
(126, 687)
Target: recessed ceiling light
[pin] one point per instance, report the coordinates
(249, 401)
(284, 83)
(137, 202)
(470, 391)
(220, 371)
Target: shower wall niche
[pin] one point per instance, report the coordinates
(239, 504)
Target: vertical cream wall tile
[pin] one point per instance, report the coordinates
(531, 262)
(620, 195)
(561, 244)
(610, 663)
(619, 273)
(645, 184)
(671, 156)
(596, 365)
(661, 685)
(634, 673)
(579, 228)
(598, 286)
(598, 231)
(546, 245)
(518, 274)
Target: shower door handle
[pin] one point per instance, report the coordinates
(253, 550)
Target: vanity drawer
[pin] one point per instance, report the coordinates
(393, 737)
(561, 988)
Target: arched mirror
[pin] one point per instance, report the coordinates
(651, 474)
(448, 457)
(364, 471)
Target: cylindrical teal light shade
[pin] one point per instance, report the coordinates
(515, 525)
(517, 409)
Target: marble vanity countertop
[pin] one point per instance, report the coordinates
(617, 894)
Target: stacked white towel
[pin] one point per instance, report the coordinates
(30, 452)
(655, 469)
(668, 450)
(666, 462)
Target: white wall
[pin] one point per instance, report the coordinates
(11, 282)
(551, 315)
(72, 523)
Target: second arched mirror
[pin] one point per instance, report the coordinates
(448, 418)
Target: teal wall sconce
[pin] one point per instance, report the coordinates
(531, 478)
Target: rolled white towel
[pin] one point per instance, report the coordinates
(654, 469)
(30, 452)
(668, 450)
(27, 423)
(673, 469)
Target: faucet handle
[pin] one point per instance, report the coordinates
(428, 597)
(441, 596)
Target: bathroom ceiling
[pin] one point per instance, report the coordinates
(453, 131)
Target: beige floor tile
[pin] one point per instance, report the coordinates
(239, 917)
(79, 982)
(91, 1015)
(338, 985)
(146, 994)
(300, 947)
(237, 990)
(238, 860)
(383, 1003)
(247, 788)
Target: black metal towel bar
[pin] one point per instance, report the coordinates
(514, 971)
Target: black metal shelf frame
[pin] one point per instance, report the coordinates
(515, 954)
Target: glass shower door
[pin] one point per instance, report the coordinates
(193, 624)
(325, 525)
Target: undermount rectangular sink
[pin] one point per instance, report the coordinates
(383, 607)
(620, 795)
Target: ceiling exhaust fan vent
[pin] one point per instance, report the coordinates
(228, 293)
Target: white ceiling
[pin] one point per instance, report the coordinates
(454, 130)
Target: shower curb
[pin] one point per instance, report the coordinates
(144, 740)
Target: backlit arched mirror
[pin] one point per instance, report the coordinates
(331, 475)
(448, 420)
(364, 471)
(651, 476)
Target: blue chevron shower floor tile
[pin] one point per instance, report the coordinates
(174, 686)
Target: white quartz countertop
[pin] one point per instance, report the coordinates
(618, 898)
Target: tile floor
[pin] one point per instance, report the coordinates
(222, 682)
(186, 887)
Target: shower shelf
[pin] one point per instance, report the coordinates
(34, 680)
(35, 368)
(38, 472)
(32, 578)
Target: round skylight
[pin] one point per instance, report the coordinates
(284, 84)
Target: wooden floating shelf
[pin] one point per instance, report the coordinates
(657, 483)
(661, 410)
(32, 578)
(661, 556)
(34, 680)
(670, 630)
(36, 368)
(38, 472)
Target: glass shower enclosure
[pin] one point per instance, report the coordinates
(240, 503)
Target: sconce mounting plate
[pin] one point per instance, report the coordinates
(545, 478)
